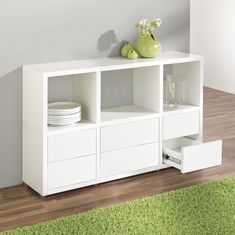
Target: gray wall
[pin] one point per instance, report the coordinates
(38, 31)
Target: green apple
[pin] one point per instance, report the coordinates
(132, 54)
(126, 47)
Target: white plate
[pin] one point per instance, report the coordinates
(64, 120)
(63, 108)
(63, 123)
(62, 113)
(64, 117)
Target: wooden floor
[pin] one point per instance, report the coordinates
(20, 206)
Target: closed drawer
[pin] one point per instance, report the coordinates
(129, 159)
(73, 171)
(66, 146)
(129, 134)
(180, 125)
(188, 155)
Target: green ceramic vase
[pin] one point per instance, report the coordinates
(148, 47)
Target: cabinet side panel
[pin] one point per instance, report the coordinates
(34, 99)
(146, 85)
(200, 137)
(34, 155)
(32, 172)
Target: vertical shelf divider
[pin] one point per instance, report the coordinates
(45, 129)
(85, 93)
(161, 88)
(98, 121)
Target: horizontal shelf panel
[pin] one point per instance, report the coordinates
(82, 125)
(180, 109)
(126, 112)
(113, 63)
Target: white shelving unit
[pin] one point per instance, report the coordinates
(125, 128)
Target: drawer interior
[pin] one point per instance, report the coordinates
(174, 147)
(172, 151)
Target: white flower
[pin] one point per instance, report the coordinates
(143, 22)
(147, 28)
(158, 21)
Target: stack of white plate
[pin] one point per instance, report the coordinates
(63, 113)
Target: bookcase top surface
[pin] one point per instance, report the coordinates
(109, 63)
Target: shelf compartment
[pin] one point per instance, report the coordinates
(189, 155)
(189, 94)
(130, 93)
(81, 88)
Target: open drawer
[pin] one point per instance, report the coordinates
(190, 155)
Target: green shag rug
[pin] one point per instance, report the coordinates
(202, 209)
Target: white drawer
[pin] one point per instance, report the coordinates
(76, 144)
(190, 155)
(180, 125)
(72, 171)
(129, 134)
(129, 159)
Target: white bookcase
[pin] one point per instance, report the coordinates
(125, 129)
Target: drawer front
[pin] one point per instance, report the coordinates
(72, 171)
(129, 159)
(66, 146)
(129, 134)
(180, 125)
(193, 155)
(201, 156)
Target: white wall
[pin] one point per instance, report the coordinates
(43, 31)
(213, 36)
